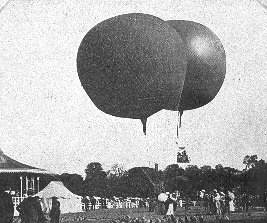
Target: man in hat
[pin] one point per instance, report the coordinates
(23, 209)
(93, 203)
(85, 200)
(30, 210)
(39, 212)
(265, 200)
(207, 203)
(6, 207)
(222, 203)
(55, 210)
(201, 194)
(167, 203)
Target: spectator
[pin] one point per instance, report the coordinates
(222, 203)
(227, 200)
(105, 203)
(245, 202)
(102, 203)
(207, 203)
(216, 200)
(93, 203)
(151, 205)
(6, 207)
(201, 195)
(40, 218)
(171, 201)
(174, 197)
(265, 200)
(23, 209)
(167, 203)
(187, 203)
(231, 201)
(212, 204)
(85, 200)
(30, 210)
(55, 210)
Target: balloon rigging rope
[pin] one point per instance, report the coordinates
(150, 180)
(262, 4)
(5, 5)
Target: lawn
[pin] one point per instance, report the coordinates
(103, 215)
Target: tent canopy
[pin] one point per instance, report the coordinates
(56, 189)
(69, 202)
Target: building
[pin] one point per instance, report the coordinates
(21, 180)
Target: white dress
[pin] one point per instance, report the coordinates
(170, 209)
(231, 202)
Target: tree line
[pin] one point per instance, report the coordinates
(144, 181)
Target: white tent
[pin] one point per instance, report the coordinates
(69, 202)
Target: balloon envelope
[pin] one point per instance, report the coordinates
(206, 65)
(132, 65)
(162, 197)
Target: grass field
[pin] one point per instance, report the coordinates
(104, 215)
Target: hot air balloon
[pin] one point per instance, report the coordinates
(132, 66)
(206, 65)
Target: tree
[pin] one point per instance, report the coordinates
(219, 167)
(116, 170)
(93, 169)
(193, 173)
(254, 178)
(115, 180)
(175, 178)
(140, 182)
(95, 183)
(250, 161)
(73, 182)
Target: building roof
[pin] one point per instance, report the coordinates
(9, 165)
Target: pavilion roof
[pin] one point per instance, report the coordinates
(9, 165)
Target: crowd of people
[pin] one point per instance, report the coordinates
(215, 202)
(30, 209)
(218, 202)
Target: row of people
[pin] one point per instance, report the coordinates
(218, 202)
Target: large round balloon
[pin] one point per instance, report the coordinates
(206, 65)
(132, 65)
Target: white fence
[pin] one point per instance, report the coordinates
(110, 204)
(114, 204)
(16, 201)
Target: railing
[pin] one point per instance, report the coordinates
(16, 202)
(110, 204)
(190, 203)
(113, 205)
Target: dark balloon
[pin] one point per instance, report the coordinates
(132, 66)
(206, 65)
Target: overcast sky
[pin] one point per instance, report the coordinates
(48, 121)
